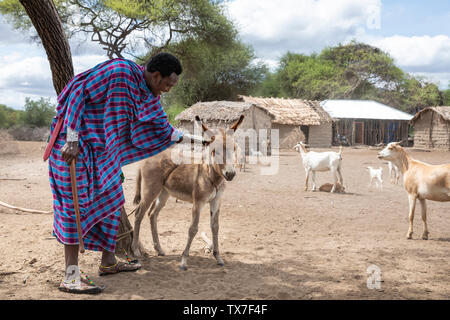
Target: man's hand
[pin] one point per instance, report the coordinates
(207, 142)
(70, 151)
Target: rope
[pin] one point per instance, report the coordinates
(121, 236)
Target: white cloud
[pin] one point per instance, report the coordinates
(419, 55)
(275, 27)
(306, 26)
(25, 70)
(24, 75)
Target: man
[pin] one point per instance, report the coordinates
(111, 116)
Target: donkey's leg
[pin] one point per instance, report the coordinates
(215, 210)
(412, 208)
(139, 215)
(159, 203)
(196, 208)
(423, 206)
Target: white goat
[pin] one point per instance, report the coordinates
(394, 172)
(377, 175)
(421, 180)
(321, 161)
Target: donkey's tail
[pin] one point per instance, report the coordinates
(137, 195)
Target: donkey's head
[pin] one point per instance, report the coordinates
(222, 149)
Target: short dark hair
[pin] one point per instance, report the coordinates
(165, 63)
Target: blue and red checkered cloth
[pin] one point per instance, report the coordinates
(119, 122)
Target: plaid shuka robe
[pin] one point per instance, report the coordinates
(119, 122)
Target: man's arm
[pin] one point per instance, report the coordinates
(70, 150)
(187, 137)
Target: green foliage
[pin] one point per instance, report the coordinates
(352, 71)
(363, 63)
(16, 15)
(419, 94)
(173, 111)
(309, 77)
(213, 72)
(117, 25)
(446, 96)
(9, 117)
(38, 113)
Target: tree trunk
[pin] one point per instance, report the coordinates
(48, 25)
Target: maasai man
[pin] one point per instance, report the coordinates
(112, 116)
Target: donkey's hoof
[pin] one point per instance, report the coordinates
(409, 236)
(183, 267)
(220, 263)
(425, 236)
(159, 251)
(136, 252)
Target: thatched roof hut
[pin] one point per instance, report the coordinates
(432, 128)
(222, 114)
(292, 111)
(297, 120)
(223, 111)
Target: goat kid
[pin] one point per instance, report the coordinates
(321, 161)
(394, 172)
(421, 181)
(377, 175)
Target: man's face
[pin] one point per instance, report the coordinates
(160, 84)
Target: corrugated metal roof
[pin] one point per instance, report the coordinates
(362, 109)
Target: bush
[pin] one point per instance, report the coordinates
(38, 113)
(172, 111)
(25, 133)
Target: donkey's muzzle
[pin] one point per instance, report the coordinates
(230, 175)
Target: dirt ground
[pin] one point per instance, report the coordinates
(278, 241)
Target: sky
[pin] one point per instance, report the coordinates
(416, 34)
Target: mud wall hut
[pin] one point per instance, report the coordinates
(222, 114)
(297, 120)
(432, 128)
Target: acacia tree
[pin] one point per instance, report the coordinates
(124, 26)
(45, 19)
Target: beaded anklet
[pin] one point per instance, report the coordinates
(88, 279)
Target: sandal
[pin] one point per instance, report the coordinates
(119, 267)
(80, 285)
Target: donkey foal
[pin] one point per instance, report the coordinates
(160, 177)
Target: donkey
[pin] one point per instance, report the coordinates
(160, 177)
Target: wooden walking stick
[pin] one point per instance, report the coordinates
(73, 180)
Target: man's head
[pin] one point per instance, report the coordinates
(162, 73)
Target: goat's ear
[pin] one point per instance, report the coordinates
(238, 123)
(204, 127)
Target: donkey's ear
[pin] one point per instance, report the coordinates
(197, 118)
(238, 123)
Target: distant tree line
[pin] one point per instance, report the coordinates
(352, 71)
(217, 64)
(36, 114)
